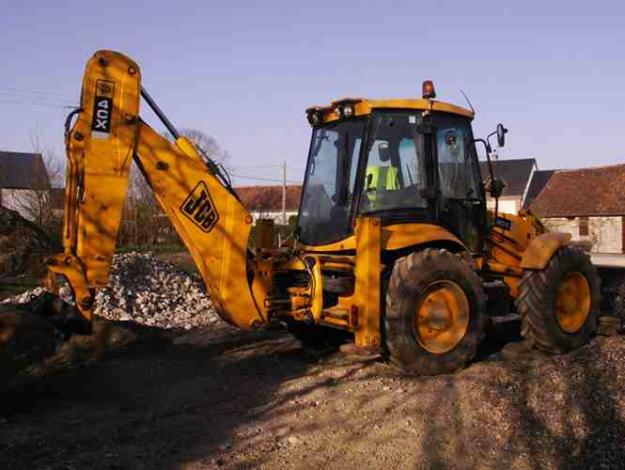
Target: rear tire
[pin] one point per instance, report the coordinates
(441, 338)
(559, 305)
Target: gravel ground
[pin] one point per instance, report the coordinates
(258, 400)
(136, 396)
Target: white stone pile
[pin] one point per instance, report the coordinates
(146, 290)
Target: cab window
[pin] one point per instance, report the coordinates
(457, 171)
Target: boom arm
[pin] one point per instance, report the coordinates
(207, 216)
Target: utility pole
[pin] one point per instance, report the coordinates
(284, 222)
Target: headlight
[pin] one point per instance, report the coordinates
(348, 110)
(314, 117)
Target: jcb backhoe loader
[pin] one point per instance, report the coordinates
(393, 243)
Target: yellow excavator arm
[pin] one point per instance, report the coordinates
(106, 137)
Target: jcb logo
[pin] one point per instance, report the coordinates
(102, 109)
(199, 208)
(104, 88)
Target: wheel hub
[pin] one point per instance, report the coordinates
(442, 317)
(573, 302)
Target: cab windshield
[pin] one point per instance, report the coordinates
(329, 183)
(395, 175)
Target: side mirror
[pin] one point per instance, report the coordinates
(501, 135)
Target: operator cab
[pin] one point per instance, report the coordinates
(402, 161)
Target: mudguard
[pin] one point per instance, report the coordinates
(542, 248)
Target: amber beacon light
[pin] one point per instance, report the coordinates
(428, 90)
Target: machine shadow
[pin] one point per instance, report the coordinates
(154, 404)
(235, 402)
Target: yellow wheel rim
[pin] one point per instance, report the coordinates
(442, 317)
(573, 302)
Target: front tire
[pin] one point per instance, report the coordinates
(559, 305)
(435, 312)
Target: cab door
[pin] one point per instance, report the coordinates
(461, 201)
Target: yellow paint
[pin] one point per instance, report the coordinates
(398, 236)
(573, 302)
(264, 234)
(317, 295)
(221, 253)
(542, 248)
(97, 174)
(261, 285)
(368, 286)
(364, 107)
(506, 248)
(442, 317)
(394, 237)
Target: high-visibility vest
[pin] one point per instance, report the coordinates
(382, 177)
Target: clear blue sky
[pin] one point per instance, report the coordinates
(243, 72)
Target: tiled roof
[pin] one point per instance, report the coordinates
(23, 171)
(269, 198)
(585, 192)
(515, 173)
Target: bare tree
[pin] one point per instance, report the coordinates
(209, 145)
(35, 202)
(143, 221)
(55, 165)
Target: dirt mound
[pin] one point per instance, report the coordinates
(25, 339)
(23, 245)
(143, 290)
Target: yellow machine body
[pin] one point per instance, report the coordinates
(244, 281)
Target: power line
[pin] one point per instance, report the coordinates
(259, 166)
(38, 93)
(260, 178)
(34, 103)
(20, 96)
(253, 167)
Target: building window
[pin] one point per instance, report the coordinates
(583, 226)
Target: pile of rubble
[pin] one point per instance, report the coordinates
(149, 291)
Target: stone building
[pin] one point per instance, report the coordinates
(589, 203)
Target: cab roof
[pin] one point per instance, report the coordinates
(363, 107)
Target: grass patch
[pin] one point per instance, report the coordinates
(182, 260)
(170, 248)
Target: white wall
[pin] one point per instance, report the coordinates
(508, 205)
(275, 215)
(605, 233)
